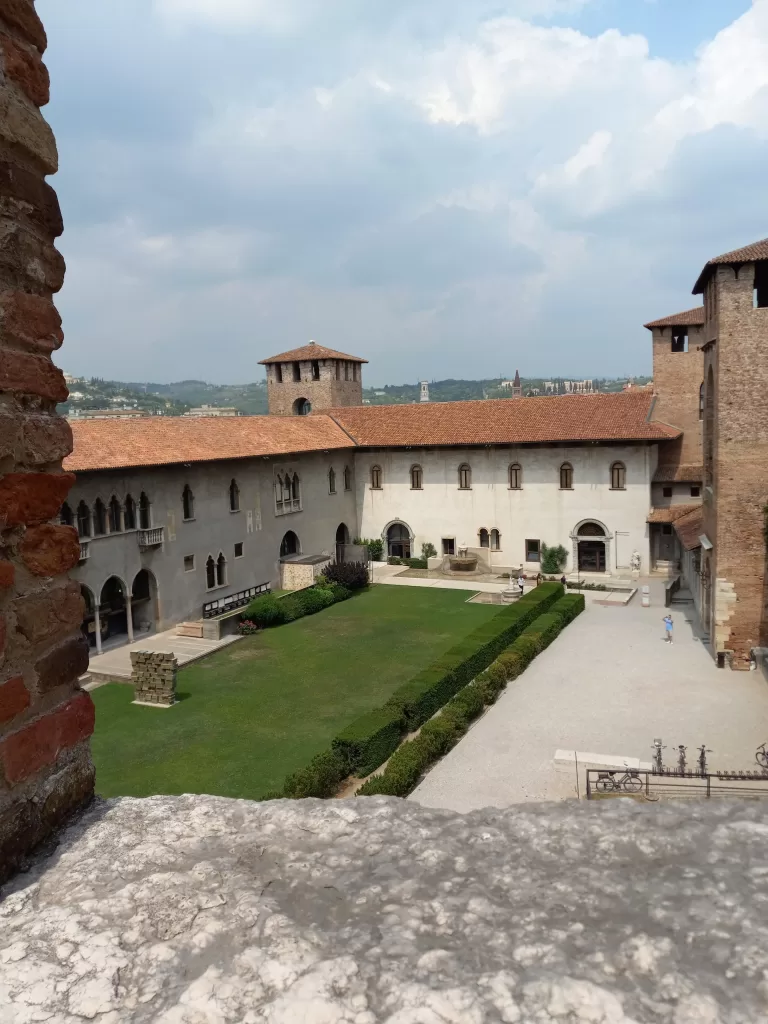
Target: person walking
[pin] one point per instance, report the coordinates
(668, 624)
(521, 583)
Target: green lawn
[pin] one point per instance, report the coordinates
(257, 710)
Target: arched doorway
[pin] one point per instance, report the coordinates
(302, 407)
(398, 541)
(144, 602)
(290, 545)
(113, 612)
(591, 540)
(342, 538)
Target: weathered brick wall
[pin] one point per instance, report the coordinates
(734, 508)
(45, 719)
(153, 674)
(677, 378)
(326, 393)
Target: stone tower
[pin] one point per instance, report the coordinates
(312, 378)
(678, 375)
(735, 449)
(424, 396)
(517, 388)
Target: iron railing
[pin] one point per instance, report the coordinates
(671, 783)
(150, 538)
(239, 600)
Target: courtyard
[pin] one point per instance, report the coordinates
(608, 685)
(261, 708)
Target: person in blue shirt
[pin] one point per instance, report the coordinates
(668, 628)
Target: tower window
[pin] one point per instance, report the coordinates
(297, 371)
(679, 340)
(338, 370)
(315, 370)
(279, 373)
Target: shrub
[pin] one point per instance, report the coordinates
(369, 740)
(379, 785)
(314, 599)
(416, 563)
(352, 575)
(247, 628)
(265, 610)
(320, 778)
(407, 764)
(553, 559)
(375, 547)
(419, 698)
(469, 701)
(394, 560)
(430, 551)
(340, 592)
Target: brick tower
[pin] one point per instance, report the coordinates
(735, 449)
(312, 378)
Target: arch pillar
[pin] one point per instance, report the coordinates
(97, 624)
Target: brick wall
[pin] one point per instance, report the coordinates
(45, 719)
(733, 519)
(326, 393)
(677, 377)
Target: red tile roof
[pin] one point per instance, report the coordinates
(688, 318)
(690, 527)
(311, 351)
(670, 514)
(684, 474)
(615, 417)
(747, 254)
(164, 440)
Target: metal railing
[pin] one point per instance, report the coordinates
(232, 601)
(85, 552)
(150, 538)
(671, 783)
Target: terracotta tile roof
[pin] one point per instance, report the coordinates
(671, 514)
(685, 474)
(164, 440)
(690, 527)
(614, 417)
(748, 254)
(688, 318)
(310, 351)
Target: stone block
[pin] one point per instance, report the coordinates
(49, 614)
(48, 550)
(64, 664)
(22, 126)
(32, 498)
(21, 15)
(25, 68)
(7, 574)
(25, 752)
(32, 375)
(14, 698)
(31, 321)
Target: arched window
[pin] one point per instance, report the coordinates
(145, 512)
(495, 540)
(566, 477)
(296, 491)
(221, 570)
(99, 518)
(188, 502)
(701, 401)
(302, 407)
(234, 496)
(484, 539)
(416, 478)
(465, 477)
(129, 516)
(347, 479)
(66, 515)
(287, 492)
(331, 480)
(278, 493)
(515, 476)
(210, 573)
(618, 476)
(83, 520)
(376, 478)
(289, 545)
(115, 520)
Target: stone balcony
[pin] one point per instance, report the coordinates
(85, 551)
(150, 538)
(197, 909)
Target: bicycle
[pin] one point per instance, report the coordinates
(607, 782)
(703, 751)
(681, 759)
(761, 756)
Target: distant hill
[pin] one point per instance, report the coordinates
(251, 399)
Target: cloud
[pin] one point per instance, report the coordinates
(448, 188)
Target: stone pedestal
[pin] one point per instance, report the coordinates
(154, 677)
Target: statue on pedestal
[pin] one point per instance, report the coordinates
(636, 562)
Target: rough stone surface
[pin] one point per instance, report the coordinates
(48, 550)
(184, 910)
(32, 498)
(24, 752)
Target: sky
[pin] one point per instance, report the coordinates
(448, 188)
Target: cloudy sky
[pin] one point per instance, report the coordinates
(446, 187)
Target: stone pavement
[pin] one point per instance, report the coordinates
(608, 684)
(383, 573)
(116, 664)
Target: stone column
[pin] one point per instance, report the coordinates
(129, 617)
(45, 719)
(97, 626)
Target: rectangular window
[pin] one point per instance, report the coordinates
(533, 551)
(338, 369)
(666, 529)
(189, 563)
(297, 371)
(315, 370)
(679, 341)
(666, 492)
(239, 550)
(346, 371)
(449, 546)
(279, 373)
(695, 492)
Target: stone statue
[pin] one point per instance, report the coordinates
(636, 561)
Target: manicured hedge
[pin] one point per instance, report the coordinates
(321, 777)
(419, 698)
(369, 740)
(268, 610)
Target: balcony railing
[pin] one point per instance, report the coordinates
(150, 538)
(289, 505)
(85, 552)
(239, 600)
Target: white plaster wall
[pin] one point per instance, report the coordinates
(540, 510)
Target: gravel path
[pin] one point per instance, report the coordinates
(609, 684)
